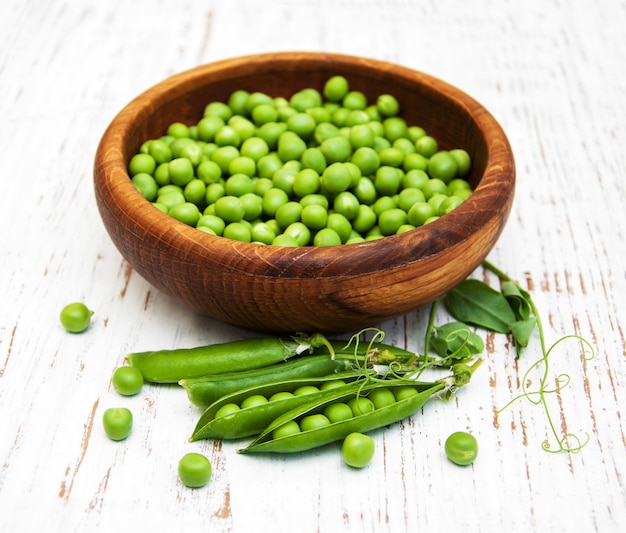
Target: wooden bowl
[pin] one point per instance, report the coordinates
(329, 289)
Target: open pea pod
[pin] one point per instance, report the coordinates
(206, 390)
(362, 423)
(252, 420)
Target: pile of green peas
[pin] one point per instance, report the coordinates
(320, 168)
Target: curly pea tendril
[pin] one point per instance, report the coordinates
(568, 442)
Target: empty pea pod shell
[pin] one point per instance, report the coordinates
(314, 438)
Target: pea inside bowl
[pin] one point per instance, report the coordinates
(283, 289)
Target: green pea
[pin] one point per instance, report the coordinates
(75, 317)
(426, 146)
(127, 380)
(214, 192)
(193, 152)
(254, 401)
(209, 126)
(287, 429)
(160, 151)
(319, 113)
(282, 395)
(365, 219)
(238, 185)
(393, 157)
(141, 163)
(215, 223)
(187, 212)
(442, 166)
(146, 185)
(327, 237)
(305, 389)
(306, 99)
(273, 199)
(288, 213)
(408, 197)
(325, 130)
(223, 155)
(419, 213)
(434, 186)
(333, 384)
(390, 220)
(463, 161)
(303, 124)
(404, 392)
(117, 422)
(415, 132)
(336, 149)
(229, 208)
(382, 398)
(387, 105)
(307, 181)
(238, 231)
(461, 448)
(336, 178)
(195, 191)
(194, 470)
(290, 146)
(313, 158)
(162, 174)
(227, 409)
(436, 200)
(354, 100)
(414, 179)
(314, 216)
(340, 225)
(415, 161)
(358, 450)
(336, 88)
(338, 412)
(395, 128)
(252, 206)
(255, 99)
(316, 421)
(361, 405)
(298, 233)
(387, 180)
(449, 204)
(219, 109)
(285, 240)
(367, 159)
(315, 199)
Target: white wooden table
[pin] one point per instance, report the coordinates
(551, 72)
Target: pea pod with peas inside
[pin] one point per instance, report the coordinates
(247, 412)
(171, 366)
(288, 433)
(208, 389)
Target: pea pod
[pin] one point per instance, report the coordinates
(208, 389)
(252, 420)
(171, 366)
(362, 423)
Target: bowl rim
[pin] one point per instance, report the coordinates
(392, 252)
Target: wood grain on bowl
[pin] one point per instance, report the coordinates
(330, 289)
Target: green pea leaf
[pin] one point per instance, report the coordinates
(522, 331)
(456, 340)
(474, 302)
(518, 299)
